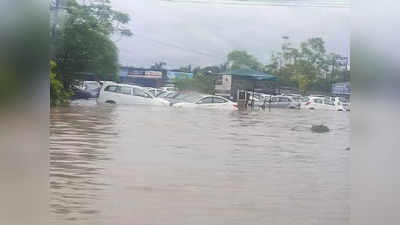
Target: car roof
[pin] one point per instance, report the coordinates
(122, 85)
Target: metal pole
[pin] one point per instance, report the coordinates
(55, 20)
(252, 98)
(269, 104)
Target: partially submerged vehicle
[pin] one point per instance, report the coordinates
(86, 90)
(281, 101)
(206, 102)
(114, 93)
(322, 103)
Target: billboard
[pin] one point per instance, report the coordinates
(141, 73)
(341, 88)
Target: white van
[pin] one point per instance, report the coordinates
(114, 93)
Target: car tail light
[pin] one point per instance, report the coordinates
(236, 105)
(307, 103)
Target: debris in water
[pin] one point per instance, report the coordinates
(319, 128)
(348, 149)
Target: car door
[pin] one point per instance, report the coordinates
(141, 97)
(284, 102)
(124, 95)
(108, 94)
(220, 102)
(318, 103)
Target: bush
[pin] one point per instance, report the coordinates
(200, 83)
(58, 96)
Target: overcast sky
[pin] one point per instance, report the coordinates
(203, 34)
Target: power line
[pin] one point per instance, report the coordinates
(172, 45)
(287, 3)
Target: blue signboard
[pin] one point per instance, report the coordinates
(341, 88)
(172, 75)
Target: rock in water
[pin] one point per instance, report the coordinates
(319, 128)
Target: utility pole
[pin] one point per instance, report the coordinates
(55, 19)
(345, 69)
(333, 71)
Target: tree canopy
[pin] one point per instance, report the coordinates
(240, 59)
(83, 44)
(308, 67)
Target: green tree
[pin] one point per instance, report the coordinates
(158, 66)
(200, 83)
(242, 59)
(58, 96)
(83, 43)
(307, 67)
(186, 69)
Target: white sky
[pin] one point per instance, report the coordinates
(208, 32)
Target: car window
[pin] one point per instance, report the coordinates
(162, 95)
(219, 100)
(171, 94)
(284, 99)
(328, 102)
(112, 88)
(318, 100)
(125, 90)
(274, 99)
(140, 92)
(207, 100)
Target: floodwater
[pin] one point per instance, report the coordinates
(120, 165)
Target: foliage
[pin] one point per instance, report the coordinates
(186, 69)
(240, 59)
(158, 66)
(200, 82)
(83, 44)
(58, 96)
(307, 67)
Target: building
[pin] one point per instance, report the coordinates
(229, 82)
(341, 89)
(142, 77)
(149, 77)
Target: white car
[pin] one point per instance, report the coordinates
(168, 88)
(154, 91)
(114, 93)
(342, 102)
(207, 102)
(322, 103)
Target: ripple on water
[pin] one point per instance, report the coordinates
(160, 165)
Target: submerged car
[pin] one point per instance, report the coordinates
(114, 93)
(86, 90)
(207, 102)
(340, 101)
(322, 103)
(153, 91)
(282, 102)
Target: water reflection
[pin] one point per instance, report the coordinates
(79, 137)
(156, 165)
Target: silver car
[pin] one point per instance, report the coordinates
(282, 102)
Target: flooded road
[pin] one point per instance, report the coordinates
(120, 165)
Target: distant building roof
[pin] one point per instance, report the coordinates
(250, 74)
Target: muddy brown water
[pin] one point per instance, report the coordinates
(119, 165)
